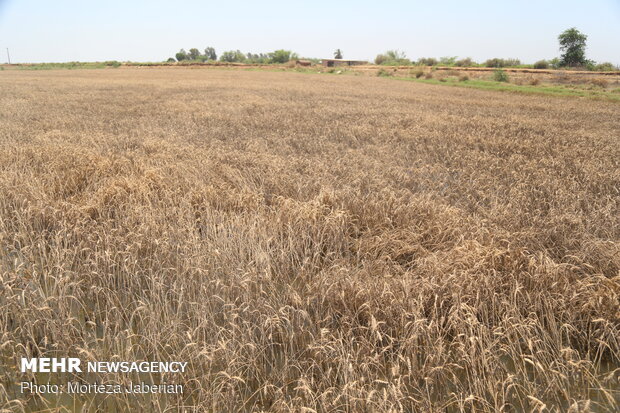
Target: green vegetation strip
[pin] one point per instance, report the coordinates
(612, 95)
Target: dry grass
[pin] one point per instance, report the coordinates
(311, 243)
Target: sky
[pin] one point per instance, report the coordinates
(153, 30)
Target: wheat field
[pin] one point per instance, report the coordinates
(309, 243)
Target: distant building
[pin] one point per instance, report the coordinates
(342, 62)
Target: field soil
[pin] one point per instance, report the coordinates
(309, 242)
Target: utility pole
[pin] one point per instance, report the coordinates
(7, 55)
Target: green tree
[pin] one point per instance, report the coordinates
(573, 44)
(232, 56)
(338, 54)
(210, 53)
(194, 54)
(282, 56)
(181, 55)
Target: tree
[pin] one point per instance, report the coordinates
(573, 44)
(338, 54)
(232, 56)
(194, 54)
(171, 60)
(282, 56)
(181, 55)
(210, 53)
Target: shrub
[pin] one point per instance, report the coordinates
(418, 73)
(605, 67)
(380, 59)
(429, 75)
(384, 73)
(466, 62)
(463, 78)
(171, 60)
(554, 63)
(447, 60)
(496, 62)
(534, 81)
(427, 61)
(541, 64)
(500, 75)
(111, 63)
(392, 58)
(258, 58)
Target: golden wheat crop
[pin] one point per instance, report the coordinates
(310, 243)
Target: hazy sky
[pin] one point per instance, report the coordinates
(140, 30)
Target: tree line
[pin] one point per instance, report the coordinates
(234, 56)
(571, 41)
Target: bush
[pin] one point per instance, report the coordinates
(554, 63)
(429, 75)
(384, 73)
(534, 81)
(500, 75)
(605, 67)
(392, 58)
(171, 60)
(427, 61)
(541, 64)
(418, 73)
(466, 62)
(463, 78)
(111, 63)
(496, 62)
(380, 59)
(447, 60)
